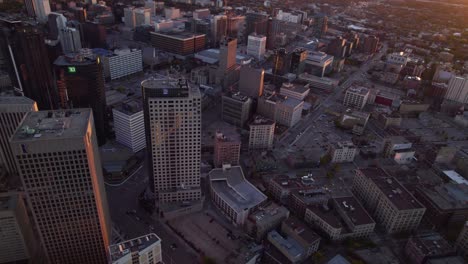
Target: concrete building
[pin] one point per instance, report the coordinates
(16, 237)
(457, 90)
(57, 152)
(295, 91)
(251, 81)
(12, 111)
(342, 218)
(141, 250)
(354, 120)
(343, 152)
(172, 111)
(399, 58)
(129, 17)
(129, 124)
(420, 248)
(318, 63)
(226, 149)
(179, 43)
(121, 63)
(320, 83)
(393, 207)
(298, 57)
(172, 13)
(370, 44)
(356, 97)
(236, 108)
(394, 144)
(297, 230)
(41, 9)
(201, 13)
(283, 110)
(282, 187)
(265, 219)
(310, 195)
(233, 194)
(261, 133)
(70, 40)
(256, 45)
(462, 240)
(142, 16)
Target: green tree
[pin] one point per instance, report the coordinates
(325, 159)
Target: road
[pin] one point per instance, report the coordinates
(306, 123)
(123, 198)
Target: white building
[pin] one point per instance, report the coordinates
(283, 110)
(70, 40)
(233, 194)
(343, 152)
(256, 45)
(457, 90)
(261, 134)
(41, 9)
(141, 250)
(293, 17)
(318, 63)
(173, 133)
(151, 5)
(122, 63)
(142, 16)
(172, 13)
(356, 97)
(129, 17)
(129, 124)
(298, 92)
(398, 58)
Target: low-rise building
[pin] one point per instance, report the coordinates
(341, 218)
(282, 186)
(318, 63)
(356, 96)
(261, 133)
(296, 229)
(226, 149)
(320, 83)
(298, 92)
(236, 108)
(462, 240)
(394, 144)
(129, 124)
(343, 152)
(233, 194)
(180, 43)
(265, 219)
(283, 110)
(299, 200)
(144, 249)
(389, 120)
(391, 204)
(354, 120)
(420, 248)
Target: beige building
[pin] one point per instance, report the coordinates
(265, 219)
(58, 161)
(12, 111)
(343, 152)
(392, 206)
(356, 97)
(173, 136)
(283, 110)
(17, 240)
(262, 132)
(462, 240)
(141, 250)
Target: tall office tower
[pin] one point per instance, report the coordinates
(142, 16)
(56, 22)
(172, 112)
(79, 14)
(280, 31)
(94, 35)
(70, 40)
(29, 4)
(219, 30)
(129, 124)
(129, 17)
(370, 44)
(251, 81)
(227, 57)
(256, 23)
(12, 111)
(80, 83)
(457, 90)
(320, 25)
(298, 57)
(337, 47)
(58, 161)
(151, 5)
(28, 63)
(235, 25)
(256, 45)
(281, 62)
(236, 108)
(17, 239)
(262, 133)
(39, 8)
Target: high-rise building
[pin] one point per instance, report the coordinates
(80, 83)
(94, 35)
(261, 134)
(318, 63)
(236, 108)
(58, 161)
(298, 57)
(219, 30)
(122, 62)
(284, 110)
(235, 26)
(182, 43)
(227, 58)
(356, 96)
(251, 81)
(172, 111)
(337, 47)
(142, 16)
(129, 17)
(320, 25)
(141, 250)
(56, 22)
(17, 238)
(28, 65)
(70, 40)
(281, 62)
(256, 45)
(457, 90)
(370, 44)
(280, 31)
(226, 149)
(41, 9)
(256, 23)
(129, 125)
(12, 111)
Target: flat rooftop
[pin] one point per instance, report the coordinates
(448, 196)
(15, 100)
(433, 245)
(286, 245)
(179, 35)
(295, 88)
(73, 59)
(237, 96)
(231, 185)
(117, 251)
(344, 144)
(229, 136)
(268, 213)
(301, 230)
(354, 210)
(358, 90)
(260, 120)
(390, 187)
(130, 107)
(47, 125)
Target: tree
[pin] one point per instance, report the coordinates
(325, 159)
(330, 175)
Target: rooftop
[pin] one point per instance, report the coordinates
(260, 120)
(233, 136)
(448, 196)
(183, 35)
(455, 177)
(294, 183)
(237, 96)
(300, 229)
(353, 210)
(287, 246)
(131, 106)
(45, 125)
(433, 245)
(344, 144)
(74, 59)
(358, 89)
(269, 213)
(117, 251)
(15, 100)
(295, 88)
(230, 183)
(390, 187)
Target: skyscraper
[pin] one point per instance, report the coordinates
(227, 57)
(172, 112)
(298, 57)
(256, 45)
(80, 83)
(12, 111)
(256, 23)
(38, 8)
(320, 25)
(251, 81)
(58, 161)
(219, 30)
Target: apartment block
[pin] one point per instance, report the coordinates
(226, 149)
(356, 97)
(343, 152)
(129, 124)
(265, 219)
(261, 133)
(121, 63)
(141, 250)
(392, 206)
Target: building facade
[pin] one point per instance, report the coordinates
(356, 97)
(236, 108)
(343, 152)
(251, 81)
(129, 124)
(178, 43)
(57, 157)
(457, 90)
(256, 45)
(141, 250)
(261, 133)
